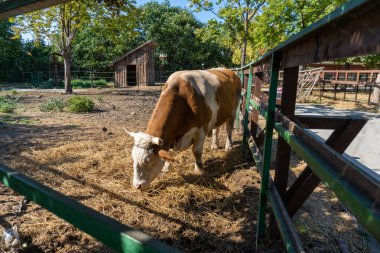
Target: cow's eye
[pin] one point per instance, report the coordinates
(146, 159)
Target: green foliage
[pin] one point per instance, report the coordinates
(79, 104)
(173, 29)
(13, 119)
(13, 92)
(8, 104)
(18, 56)
(274, 22)
(53, 104)
(79, 83)
(48, 85)
(279, 20)
(101, 41)
(99, 98)
(60, 24)
(233, 24)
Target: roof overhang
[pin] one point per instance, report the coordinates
(12, 8)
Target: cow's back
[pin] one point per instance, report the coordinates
(191, 100)
(217, 89)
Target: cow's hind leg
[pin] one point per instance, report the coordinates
(197, 151)
(230, 125)
(215, 138)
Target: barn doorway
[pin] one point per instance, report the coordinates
(131, 75)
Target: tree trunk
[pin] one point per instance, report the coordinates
(245, 40)
(243, 53)
(67, 65)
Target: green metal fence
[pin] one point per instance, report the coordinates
(329, 38)
(117, 236)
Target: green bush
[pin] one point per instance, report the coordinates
(80, 83)
(53, 104)
(14, 92)
(100, 98)
(80, 104)
(48, 85)
(8, 103)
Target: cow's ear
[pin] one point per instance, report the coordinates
(157, 141)
(165, 155)
(130, 133)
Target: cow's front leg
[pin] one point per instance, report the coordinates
(197, 151)
(167, 167)
(215, 138)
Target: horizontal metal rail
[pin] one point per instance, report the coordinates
(290, 237)
(291, 240)
(117, 236)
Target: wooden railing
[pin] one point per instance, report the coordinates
(338, 35)
(354, 79)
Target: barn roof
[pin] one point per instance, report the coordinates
(146, 44)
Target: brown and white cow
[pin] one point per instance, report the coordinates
(191, 106)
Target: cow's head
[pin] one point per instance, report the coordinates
(148, 159)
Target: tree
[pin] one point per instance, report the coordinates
(100, 42)
(279, 20)
(237, 19)
(60, 24)
(173, 29)
(18, 56)
(10, 50)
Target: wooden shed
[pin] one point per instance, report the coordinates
(136, 67)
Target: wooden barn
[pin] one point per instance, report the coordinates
(136, 67)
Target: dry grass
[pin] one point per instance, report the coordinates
(214, 208)
(213, 212)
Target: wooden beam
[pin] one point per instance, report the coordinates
(304, 186)
(289, 94)
(12, 8)
(255, 114)
(366, 184)
(356, 33)
(323, 122)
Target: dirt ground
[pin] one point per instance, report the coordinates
(87, 157)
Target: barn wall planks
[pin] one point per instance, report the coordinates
(142, 58)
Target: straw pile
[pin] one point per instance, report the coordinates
(213, 212)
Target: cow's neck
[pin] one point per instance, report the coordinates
(166, 122)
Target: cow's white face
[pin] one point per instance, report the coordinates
(147, 162)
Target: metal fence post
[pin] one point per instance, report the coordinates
(237, 118)
(246, 111)
(268, 145)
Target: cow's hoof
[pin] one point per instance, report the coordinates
(166, 168)
(198, 168)
(228, 147)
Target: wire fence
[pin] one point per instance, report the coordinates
(88, 78)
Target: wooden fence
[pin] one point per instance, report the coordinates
(354, 79)
(336, 36)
